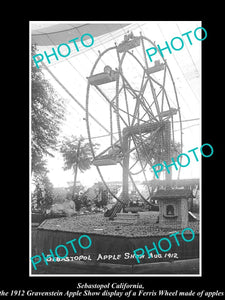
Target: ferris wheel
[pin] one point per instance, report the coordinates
(137, 102)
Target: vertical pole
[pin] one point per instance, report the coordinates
(167, 140)
(125, 168)
(76, 169)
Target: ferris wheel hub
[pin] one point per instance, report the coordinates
(143, 128)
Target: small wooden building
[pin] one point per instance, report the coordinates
(173, 207)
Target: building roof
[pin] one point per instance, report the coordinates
(173, 182)
(175, 194)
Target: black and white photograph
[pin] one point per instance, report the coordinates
(116, 148)
(112, 165)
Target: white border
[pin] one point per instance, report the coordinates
(30, 226)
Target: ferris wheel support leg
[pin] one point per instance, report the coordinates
(167, 132)
(125, 194)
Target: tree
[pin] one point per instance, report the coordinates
(47, 111)
(77, 155)
(42, 197)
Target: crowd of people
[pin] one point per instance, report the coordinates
(80, 203)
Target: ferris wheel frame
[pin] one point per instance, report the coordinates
(115, 107)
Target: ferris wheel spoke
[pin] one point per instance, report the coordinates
(139, 158)
(142, 87)
(141, 99)
(160, 91)
(142, 141)
(127, 106)
(163, 89)
(134, 164)
(106, 150)
(150, 140)
(113, 99)
(137, 171)
(138, 93)
(148, 109)
(112, 104)
(144, 52)
(144, 101)
(155, 81)
(155, 98)
(149, 78)
(136, 110)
